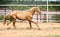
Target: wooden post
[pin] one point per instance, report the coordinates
(40, 17)
(44, 18)
(37, 18)
(5, 11)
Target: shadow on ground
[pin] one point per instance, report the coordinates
(27, 28)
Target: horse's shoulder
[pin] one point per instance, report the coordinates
(13, 12)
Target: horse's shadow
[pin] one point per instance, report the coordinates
(27, 28)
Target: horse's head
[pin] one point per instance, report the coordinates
(37, 9)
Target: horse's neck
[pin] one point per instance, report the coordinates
(32, 11)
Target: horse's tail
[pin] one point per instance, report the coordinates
(5, 17)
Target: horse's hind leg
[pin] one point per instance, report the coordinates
(30, 25)
(9, 22)
(14, 20)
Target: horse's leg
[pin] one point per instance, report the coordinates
(29, 18)
(9, 22)
(36, 24)
(14, 23)
(30, 25)
(14, 20)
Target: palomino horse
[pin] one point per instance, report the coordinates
(22, 15)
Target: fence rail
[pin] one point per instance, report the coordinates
(25, 5)
(36, 16)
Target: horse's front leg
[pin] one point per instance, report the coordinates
(36, 25)
(30, 24)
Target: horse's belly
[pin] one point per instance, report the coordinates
(21, 17)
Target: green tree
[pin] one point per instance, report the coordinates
(57, 8)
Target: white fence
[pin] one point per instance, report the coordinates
(36, 17)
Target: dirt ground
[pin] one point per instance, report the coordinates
(23, 30)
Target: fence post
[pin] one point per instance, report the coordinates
(40, 17)
(44, 18)
(37, 17)
(5, 11)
